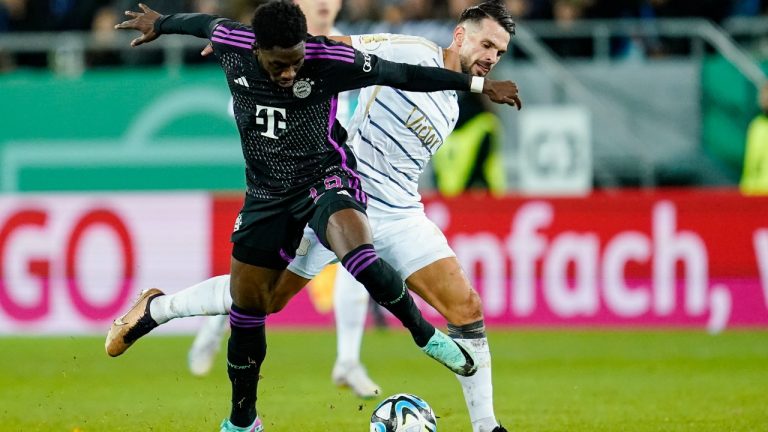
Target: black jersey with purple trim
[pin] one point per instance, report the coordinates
(290, 136)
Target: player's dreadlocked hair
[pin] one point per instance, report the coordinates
(493, 9)
(279, 23)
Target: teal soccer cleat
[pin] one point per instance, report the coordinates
(451, 353)
(226, 426)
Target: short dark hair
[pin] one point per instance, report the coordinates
(493, 9)
(279, 23)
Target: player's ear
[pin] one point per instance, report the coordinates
(255, 49)
(458, 34)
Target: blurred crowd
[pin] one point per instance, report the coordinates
(99, 17)
(58, 15)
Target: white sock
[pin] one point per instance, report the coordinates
(350, 306)
(478, 389)
(210, 297)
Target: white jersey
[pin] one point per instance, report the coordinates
(393, 132)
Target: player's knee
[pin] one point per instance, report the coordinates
(474, 306)
(255, 306)
(276, 306)
(346, 230)
(255, 298)
(465, 312)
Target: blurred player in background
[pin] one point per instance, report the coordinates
(754, 178)
(274, 66)
(471, 158)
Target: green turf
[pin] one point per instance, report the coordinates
(544, 381)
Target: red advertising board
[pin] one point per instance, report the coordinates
(71, 263)
(694, 258)
(662, 258)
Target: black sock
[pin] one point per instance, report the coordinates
(246, 350)
(387, 289)
(475, 330)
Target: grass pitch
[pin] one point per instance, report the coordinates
(544, 381)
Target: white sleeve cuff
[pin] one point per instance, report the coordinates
(476, 86)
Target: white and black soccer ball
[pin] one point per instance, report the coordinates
(403, 413)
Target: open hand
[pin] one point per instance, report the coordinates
(502, 92)
(143, 22)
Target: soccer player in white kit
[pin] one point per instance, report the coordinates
(393, 133)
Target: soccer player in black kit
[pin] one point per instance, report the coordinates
(299, 171)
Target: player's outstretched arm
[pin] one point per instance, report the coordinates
(417, 77)
(151, 24)
(428, 79)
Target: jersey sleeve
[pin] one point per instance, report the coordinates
(230, 35)
(379, 44)
(350, 69)
(224, 34)
(397, 47)
(193, 24)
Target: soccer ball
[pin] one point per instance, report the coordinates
(403, 413)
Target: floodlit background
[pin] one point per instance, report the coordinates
(616, 228)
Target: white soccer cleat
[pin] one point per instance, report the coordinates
(207, 344)
(354, 376)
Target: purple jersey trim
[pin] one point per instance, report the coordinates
(355, 183)
(228, 42)
(339, 48)
(233, 38)
(328, 57)
(235, 32)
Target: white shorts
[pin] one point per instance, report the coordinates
(407, 241)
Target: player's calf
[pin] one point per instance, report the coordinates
(246, 351)
(387, 289)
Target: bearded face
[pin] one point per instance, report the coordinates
(481, 46)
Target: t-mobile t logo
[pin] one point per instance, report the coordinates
(271, 114)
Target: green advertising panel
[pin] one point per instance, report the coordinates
(139, 129)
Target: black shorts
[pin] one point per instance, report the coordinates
(267, 232)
